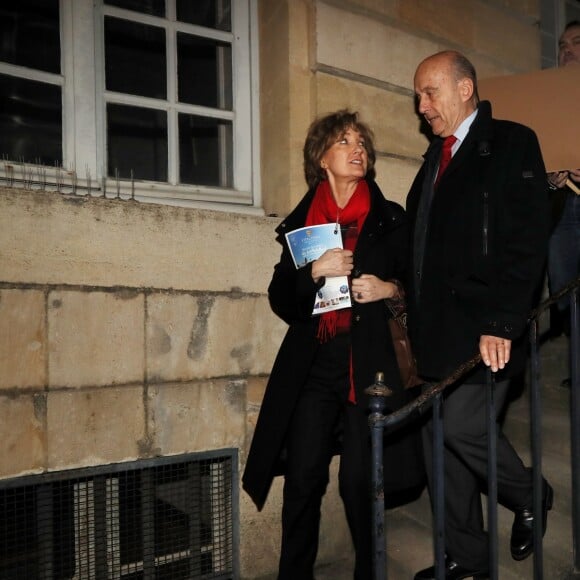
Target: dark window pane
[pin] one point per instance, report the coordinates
(135, 61)
(204, 71)
(205, 151)
(153, 7)
(30, 121)
(136, 142)
(30, 34)
(208, 13)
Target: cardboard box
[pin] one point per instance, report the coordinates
(548, 101)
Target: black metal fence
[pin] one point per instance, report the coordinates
(165, 518)
(381, 424)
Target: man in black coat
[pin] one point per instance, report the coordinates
(480, 223)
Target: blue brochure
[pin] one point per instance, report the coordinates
(308, 244)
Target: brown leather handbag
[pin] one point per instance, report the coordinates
(404, 354)
(401, 343)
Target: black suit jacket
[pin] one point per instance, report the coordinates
(486, 236)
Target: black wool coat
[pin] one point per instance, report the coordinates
(382, 250)
(485, 248)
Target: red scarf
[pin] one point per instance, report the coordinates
(323, 210)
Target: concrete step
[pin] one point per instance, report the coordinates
(555, 360)
(409, 544)
(409, 547)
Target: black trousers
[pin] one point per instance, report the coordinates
(323, 411)
(465, 457)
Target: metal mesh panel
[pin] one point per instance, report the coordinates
(161, 520)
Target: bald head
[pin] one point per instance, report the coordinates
(446, 91)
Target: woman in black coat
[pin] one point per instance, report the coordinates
(315, 396)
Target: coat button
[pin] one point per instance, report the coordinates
(508, 328)
(357, 318)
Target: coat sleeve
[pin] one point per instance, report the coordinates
(523, 223)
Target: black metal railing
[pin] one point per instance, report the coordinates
(431, 397)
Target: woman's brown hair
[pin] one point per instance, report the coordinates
(325, 131)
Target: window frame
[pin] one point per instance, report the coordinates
(85, 98)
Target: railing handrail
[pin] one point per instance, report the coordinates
(398, 417)
(543, 306)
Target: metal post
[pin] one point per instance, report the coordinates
(100, 526)
(574, 422)
(148, 523)
(45, 532)
(536, 434)
(438, 488)
(377, 393)
(492, 475)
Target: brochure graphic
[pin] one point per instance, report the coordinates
(308, 244)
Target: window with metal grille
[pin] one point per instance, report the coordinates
(154, 519)
(151, 99)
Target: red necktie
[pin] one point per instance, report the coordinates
(445, 156)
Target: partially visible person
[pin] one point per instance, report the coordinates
(315, 399)
(564, 252)
(479, 214)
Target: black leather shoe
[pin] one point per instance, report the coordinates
(522, 540)
(453, 571)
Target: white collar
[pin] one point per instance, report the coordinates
(462, 131)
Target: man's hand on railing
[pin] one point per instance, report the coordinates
(495, 351)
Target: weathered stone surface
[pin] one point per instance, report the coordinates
(384, 9)
(390, 115)
(99, 242)
(366, 46)
(255, 389)
(193, 337)
(260, 533)
(95, 427)
(508, 40)
(452, 21)
(395, 177)
(525, 8)
(196, 416)
(95, 338)
(509, 37)
(22, 435)
(22, 338)
(275, 104)
(285, 102)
